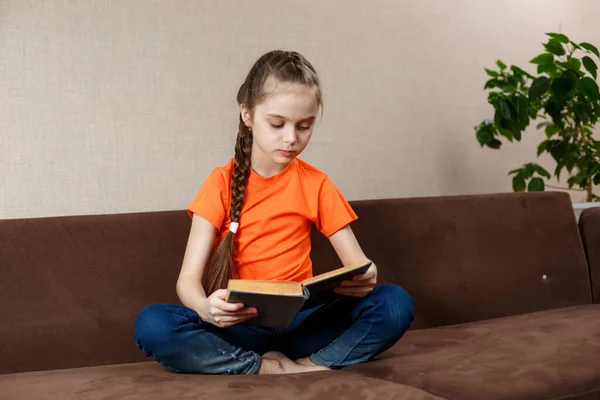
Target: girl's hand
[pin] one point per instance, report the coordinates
(361, 285)
(222, 314)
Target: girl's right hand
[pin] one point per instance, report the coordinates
(222, 314)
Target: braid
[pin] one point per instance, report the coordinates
(241, 170)
(220, 266)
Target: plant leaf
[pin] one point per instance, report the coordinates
(517, 134)
(484, 135)
(528, 171)
(590, 47)
(536, 185)
(557, 150)
(561, 87)
(575, 45)
(541, 171)
(505, 111)
(590, 65)
(543, 59)
(574, 63)
(501, 65)
(597, 179)
(507, 133)
(590, 88)
(518, 183)
(494, 144)
(521, 106)
(571, 76)
(519, 72)
(551, 129)
(581, 112)
(542, 147)
(554, 107)
(555, 47)
(559, 37)
(559, 167)
(538, 88)
(549, 68)
(492, 83)
(491, 73)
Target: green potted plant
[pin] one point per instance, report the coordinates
(564, 96)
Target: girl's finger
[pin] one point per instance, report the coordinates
(239, 313)
(226, 321)
(225, 306)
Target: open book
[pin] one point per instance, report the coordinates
(278, 302)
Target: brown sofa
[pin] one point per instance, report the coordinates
(504, 303)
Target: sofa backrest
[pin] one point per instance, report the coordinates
(71, 287)
(589, 226)
(467, 258)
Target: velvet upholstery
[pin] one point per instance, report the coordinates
(501, 283)
(589, 226)
(544, 355)
(149, 381)
(467, 258)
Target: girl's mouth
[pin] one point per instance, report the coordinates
(287, 153)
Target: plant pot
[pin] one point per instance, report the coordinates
(579, 207)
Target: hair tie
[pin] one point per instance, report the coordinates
(233, 227)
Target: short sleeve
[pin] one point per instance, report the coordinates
(334, 211)
(209, 202)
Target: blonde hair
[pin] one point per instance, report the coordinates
(282, 66)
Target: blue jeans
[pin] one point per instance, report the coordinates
(347, 331)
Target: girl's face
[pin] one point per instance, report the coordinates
(282, 124)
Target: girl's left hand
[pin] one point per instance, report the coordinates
(361, 285)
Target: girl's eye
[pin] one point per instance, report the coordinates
(303, 128)
(277, 126)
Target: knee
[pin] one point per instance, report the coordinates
(396, 307)
(153, 327)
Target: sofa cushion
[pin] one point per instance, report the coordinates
(149, 381)
(589, 226)
(476, 257)
(544, 355)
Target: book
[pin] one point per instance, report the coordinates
(278, 302)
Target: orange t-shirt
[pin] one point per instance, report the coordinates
(273, 239)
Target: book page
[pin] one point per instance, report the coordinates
(266, 287)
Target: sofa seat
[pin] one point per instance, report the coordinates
(148, 380)
(543, 355)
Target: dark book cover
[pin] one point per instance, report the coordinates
(274, 310)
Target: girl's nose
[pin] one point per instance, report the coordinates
(290, 136)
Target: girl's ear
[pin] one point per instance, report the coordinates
(246, 115)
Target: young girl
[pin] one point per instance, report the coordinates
(259, 208)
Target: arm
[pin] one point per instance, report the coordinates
(213, 309)
(189, 284)
(348, 250)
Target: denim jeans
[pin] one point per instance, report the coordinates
(348, 331)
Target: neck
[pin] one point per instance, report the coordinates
(263, 165)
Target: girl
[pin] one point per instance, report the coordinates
(259, 208)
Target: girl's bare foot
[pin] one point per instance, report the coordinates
(306, 361)
(274, 362)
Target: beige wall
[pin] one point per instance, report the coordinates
(115, 106)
